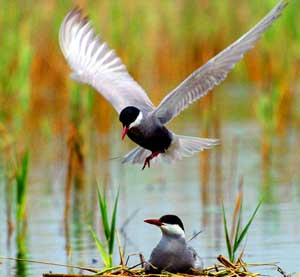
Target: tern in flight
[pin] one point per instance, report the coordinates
(94, 63)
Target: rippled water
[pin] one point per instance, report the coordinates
(182, 188)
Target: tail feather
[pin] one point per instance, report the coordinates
(184, 146)
(136, 156)
(181, 147)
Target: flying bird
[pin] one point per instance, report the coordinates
(94, 63)
(172, 253)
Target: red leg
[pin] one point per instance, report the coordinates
(147, 162)
(149, 158)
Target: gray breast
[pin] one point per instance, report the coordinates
(175, 257)
(151, 135)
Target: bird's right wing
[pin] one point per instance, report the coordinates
(200, 82)
(198, 262)
(94, 63)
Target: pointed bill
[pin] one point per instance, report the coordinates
(156, 222)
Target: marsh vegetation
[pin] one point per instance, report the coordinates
(72, 135)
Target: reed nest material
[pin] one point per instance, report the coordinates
(224, 268)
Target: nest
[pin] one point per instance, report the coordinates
(224, 268)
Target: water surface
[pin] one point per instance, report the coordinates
(183, 189)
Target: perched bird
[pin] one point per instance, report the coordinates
(94, 63)
(172, 253)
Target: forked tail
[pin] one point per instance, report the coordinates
(181, 147)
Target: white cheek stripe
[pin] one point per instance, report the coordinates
(173, 229)
(137, 120)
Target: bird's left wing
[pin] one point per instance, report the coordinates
(200, 82)
(94, 63)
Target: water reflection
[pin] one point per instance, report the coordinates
(21, 242)
(192, 189)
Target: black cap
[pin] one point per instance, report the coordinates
(129, 115)
(171, 219)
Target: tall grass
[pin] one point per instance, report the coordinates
(237, 234)
(270, 108)
(267, 111)
(21, 202)
(109, 226)
(155, 32)
(21, 191)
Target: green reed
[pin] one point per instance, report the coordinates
(151, 29)
(161, 42)
(21, 201)
(16, 58)
(21, 189)
(236, 235)
(106, 249)
(267, 111)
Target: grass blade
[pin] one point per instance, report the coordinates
(105, 257)
(238, 226)
(113, 224)
(228, 244)
(104, 212)
(245, 230)
(21, 180)
(106, 249)
(237, 213)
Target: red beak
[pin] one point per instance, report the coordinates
(156, 222)
(124, 132)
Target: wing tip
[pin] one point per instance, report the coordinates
(75, 11)
(278, 9)
(76, 14)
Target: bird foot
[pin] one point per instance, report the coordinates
(149, 158)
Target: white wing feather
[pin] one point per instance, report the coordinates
(94, 63)
(136, 156)
(200, 82)
(181, 147)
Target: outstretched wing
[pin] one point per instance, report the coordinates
(94, 63)
(200, 82)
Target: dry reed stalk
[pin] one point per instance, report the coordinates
(237, 209)
(285, 107)
(102, 115)
(218, 172)
(120, 249)
(48, 86)
(233, 163)
(8, 142)
(65, 275)
(205, 156)
(75, 172)
(68, 190)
